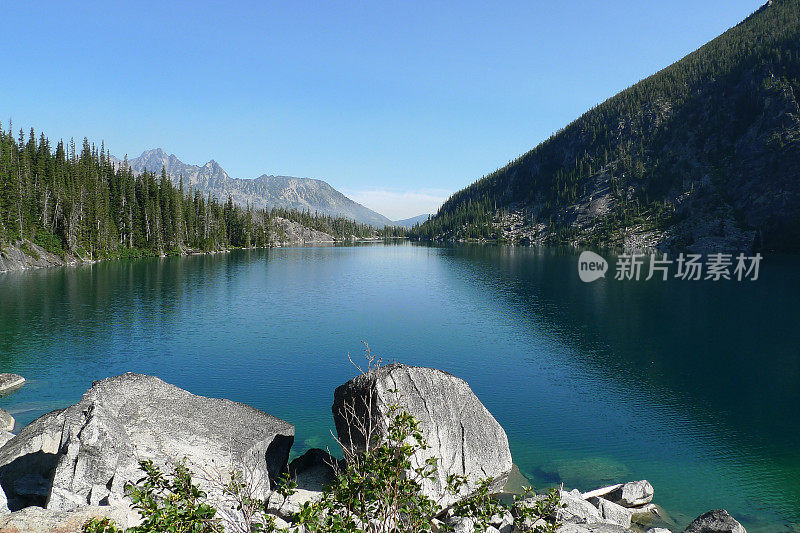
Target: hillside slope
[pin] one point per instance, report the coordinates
(263, 192)
(703, 155)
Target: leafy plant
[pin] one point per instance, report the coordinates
(171, 503)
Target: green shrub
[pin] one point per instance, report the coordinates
(379, 491)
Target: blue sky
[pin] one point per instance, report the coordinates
(397, 104)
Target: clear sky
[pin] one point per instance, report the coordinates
(397, 104)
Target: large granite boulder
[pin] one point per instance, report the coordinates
(87, 452)
(716, 521)
(458, 428)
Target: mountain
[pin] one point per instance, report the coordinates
(263, 191)
(703, 155)
(409, 222)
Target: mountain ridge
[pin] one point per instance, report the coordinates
(265, 191)
(704, 154)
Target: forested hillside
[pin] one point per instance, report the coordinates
(704, 154)
(79, 203)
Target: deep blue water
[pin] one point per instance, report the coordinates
(692, 385)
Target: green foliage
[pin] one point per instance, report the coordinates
(78, 201)
(100, 525)
(380, 491)
(171, 503)
(376, 493)
(529, 511)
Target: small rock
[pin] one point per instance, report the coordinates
(6, 420)
(576, 509)
(10, 382)
(658, 530)
(612, 512)
(716, 521)
(632, 494)
(288, 507)
(463, 525)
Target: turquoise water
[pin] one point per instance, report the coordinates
(692, 385)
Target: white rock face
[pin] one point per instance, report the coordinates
(90, 450)
(460, 431)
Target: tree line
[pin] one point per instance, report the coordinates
(79, 202)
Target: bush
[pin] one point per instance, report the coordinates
(380, 492)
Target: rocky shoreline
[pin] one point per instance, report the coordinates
(72, 464)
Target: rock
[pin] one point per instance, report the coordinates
(5, 436)
(289, 506)
(10, 382)
(716, 521)
(632, 494)
(658, 530)
(90, 450)
(6, 421)
(576, 509)
(314, 470)
(612, 512)
(462, 525)
(38, 520)
(597, 527)
(647, 513)
(133, 417)
(458, 428)
(33, 451)
(503, 523)
(601, 492)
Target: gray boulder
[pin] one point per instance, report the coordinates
(87, 452)
(34, 451)
(458, 428)
(39, 520)
(631, 494)
(577, 510)
(716, 521)
(6, 421)
(132, 417)
(10, 382)
(612, 512)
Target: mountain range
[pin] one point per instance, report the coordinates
(703, 155)
(265, 191)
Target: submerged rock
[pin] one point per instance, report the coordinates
(458, 428)
(90, 450)
(716, 521)
(10, 382)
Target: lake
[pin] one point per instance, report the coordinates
(693, 385)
